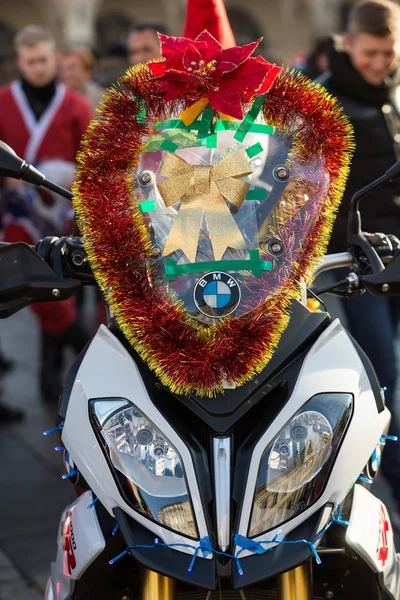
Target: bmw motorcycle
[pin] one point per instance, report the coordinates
(260, 492)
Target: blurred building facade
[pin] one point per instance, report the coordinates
(287, 26)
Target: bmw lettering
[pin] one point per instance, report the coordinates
(217, 294)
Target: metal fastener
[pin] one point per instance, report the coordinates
(353, 280)
(385, 287)
(56, 293)
(155, 251)
(145, 177)
(78, 259)
(281, 173)
(276, 248)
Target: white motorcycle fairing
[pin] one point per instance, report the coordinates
(331, 365)
(80, 541)
(370, 534)
(118, 377)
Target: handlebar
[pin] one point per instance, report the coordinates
(334, 261)
(68, 259)
(56, 267)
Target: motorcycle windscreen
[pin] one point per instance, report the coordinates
(228, 223)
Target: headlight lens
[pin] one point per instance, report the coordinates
(153, 475)
(295, 466)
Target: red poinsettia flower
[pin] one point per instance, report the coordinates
(227, 77)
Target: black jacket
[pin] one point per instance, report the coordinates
(375, 115)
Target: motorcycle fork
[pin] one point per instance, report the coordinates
(156, 586)
(296, 584)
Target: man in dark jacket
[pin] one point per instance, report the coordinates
(364, 76)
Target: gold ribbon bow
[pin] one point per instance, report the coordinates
(203, 189)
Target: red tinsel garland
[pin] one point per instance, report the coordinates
(187, 357)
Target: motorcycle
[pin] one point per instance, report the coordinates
(196, 492)
(291, 466)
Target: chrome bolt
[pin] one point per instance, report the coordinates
(155, 251)
(281, 173)
(56, 293)
(385, 287)
(145, 177)
(276, 248)
(78, 259)
(353, 280)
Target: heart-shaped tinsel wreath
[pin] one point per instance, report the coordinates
(186, 356)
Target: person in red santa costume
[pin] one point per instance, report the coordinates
(42, 120)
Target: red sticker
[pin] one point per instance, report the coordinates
(383, 548)
(68, 542)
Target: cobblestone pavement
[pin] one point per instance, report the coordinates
(32, 493)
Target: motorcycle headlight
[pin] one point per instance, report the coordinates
(153, 478)
(295, 466)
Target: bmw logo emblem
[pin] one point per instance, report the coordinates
(217, 294)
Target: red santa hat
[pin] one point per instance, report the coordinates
(210, 15)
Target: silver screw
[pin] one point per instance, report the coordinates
(145, 177)
(56, 293)
(353, 280)
(78, 259)
(385, 287)
(155, 251)
(282, 173)
(276, 248)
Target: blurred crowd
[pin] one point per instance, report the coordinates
(45, 112)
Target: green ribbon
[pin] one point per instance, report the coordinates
(253, 264)
(172, 140)
(141, 110)
(147, 206)
(222, 125)
(186, 138)
(255, 128)
(247, 123)
(253, 150)
(169, 145)
(173, 124)
(256, 194)
(204, 125)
